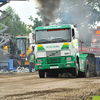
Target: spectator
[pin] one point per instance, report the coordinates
(34, 62)
(31, 60)
(22, 56)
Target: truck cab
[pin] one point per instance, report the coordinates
(56, 49)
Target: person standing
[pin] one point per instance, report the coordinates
(31, 60)
(22, 56)
(34, 62)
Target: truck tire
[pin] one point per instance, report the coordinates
(77, 67)
(41, 74)
(87, 72)
(47, 74)
(75, 71)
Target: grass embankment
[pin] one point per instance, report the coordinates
(95, 98)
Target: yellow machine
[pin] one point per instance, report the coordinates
(23, 44)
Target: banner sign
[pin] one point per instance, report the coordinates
(90, 49)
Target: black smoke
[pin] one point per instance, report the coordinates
(47, 8)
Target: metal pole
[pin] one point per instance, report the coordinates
(81, 44)
(3, 4)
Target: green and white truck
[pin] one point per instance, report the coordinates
(56, 51)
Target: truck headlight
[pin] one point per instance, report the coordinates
(68, 65)
(68, 58)
(71, 62)
(39, 66)
(39, 60)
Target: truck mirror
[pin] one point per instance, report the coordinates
(76, 35)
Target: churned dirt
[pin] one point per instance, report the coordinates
(28, 86)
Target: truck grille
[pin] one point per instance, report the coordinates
(53, 54)
(54, 60)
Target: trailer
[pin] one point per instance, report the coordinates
(56, 51)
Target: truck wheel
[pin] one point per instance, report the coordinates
(87, 72)
(41, 74)
(77, 69)
(47, 74)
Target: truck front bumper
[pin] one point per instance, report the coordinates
(55, 66)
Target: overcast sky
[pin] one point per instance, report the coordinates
(23, 8)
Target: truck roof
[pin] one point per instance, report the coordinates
(53, 27)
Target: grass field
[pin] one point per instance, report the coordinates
(96, 98)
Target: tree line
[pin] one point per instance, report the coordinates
(13, 21)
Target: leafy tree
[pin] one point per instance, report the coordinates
(36, 22)
(16, 26)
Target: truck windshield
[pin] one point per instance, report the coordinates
(53, 36)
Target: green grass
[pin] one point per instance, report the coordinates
(96, 98)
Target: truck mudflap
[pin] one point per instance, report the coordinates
(82, 59)
(87, 64)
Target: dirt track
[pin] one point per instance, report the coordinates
(28, 86)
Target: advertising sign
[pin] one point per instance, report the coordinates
(90, 50)
(95, 45)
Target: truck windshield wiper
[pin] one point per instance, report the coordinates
(44, 40)
(60, 39)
